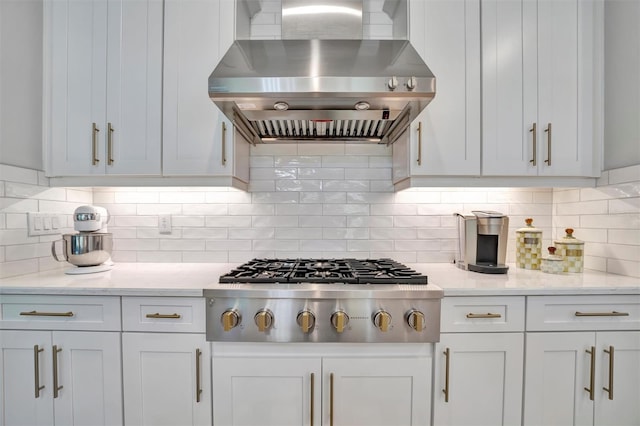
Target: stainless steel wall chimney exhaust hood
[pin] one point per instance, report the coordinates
(342, 90)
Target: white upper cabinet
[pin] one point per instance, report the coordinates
(198, 138)
(541, 87)
(103, 87)
(445, 138)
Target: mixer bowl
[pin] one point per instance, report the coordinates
(85, 248)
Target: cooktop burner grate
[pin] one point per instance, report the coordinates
(345, 271)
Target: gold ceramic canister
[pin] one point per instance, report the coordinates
(528, 246)
(552, 264)
(572, 251)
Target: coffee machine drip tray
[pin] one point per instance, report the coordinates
(487, 268)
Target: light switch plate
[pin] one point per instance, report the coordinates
(164, 223)
(44, 223)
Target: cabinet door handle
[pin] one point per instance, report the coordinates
(609, 390)
(592, 371)
(548, 132)
(198, 386)
(602, 314)
(331, 399)
(110, 130)
(534, 160)
(419, 143)
(36, 369)
(224, 143)
(46, 314)
(56, 388)
(94, 144)
(164, 316)
(312, 398)
(447, 358)
(487, 315)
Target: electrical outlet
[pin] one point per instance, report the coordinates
(164, 223)
(43, 223)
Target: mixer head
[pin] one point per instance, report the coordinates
(90, 219)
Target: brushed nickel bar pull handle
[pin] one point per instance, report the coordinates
(198, 387)
(46, 314)
(609, 390)
(164, 316)
(331, 399)
(94, 144)
(487, 315)
(312, 398)
(592, 373)
(419, 143)
(548, 131)
(534, 130)
(36, 369)
(602, 314)
(224, 143)
(110, 130)
(56, 388)
(447, 358)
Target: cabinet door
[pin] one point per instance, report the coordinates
(509, 87)
(376, 391)
(556, 374)
(76, 41)
(23, 368)
(478, 379)
(89, 378)
(196, 135)
(266, 391)
(133, 125)
(166, 379)
(619, 372)
(445, 138)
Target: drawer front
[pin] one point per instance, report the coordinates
(101, 313)
(482, 314)
(618, 312)
(164, 314)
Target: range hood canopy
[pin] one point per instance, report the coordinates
(347, 90)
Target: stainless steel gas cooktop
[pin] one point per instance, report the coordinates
(323, 300)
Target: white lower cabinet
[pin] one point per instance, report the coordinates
(280, 391)
(78, 384)
(478, 363)
(166, 370)
(587, 374)
(52, 375)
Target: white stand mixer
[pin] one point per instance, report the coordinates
(90, 249)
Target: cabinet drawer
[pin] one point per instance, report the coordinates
(482, 314)
(100, 313)
(617, 312)
(164, 314)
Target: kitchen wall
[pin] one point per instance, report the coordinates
(318, 200)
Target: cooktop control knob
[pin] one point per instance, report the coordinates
(382, 320)
(339, 320)
(392, 84)
(263, 319)
(306, 320)
(230, 318)
(411, 83)
(415, 319)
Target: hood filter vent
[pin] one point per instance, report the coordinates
(353, 130)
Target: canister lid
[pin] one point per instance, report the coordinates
(552, 255)
(569, 238)
(529, 228)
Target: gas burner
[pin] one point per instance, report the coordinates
(327, 271)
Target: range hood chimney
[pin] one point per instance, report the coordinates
(322, 81)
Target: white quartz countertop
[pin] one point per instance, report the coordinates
(190, 279)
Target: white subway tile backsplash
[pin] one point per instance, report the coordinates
(416, 221)
(368, 149)
(334, 173)
(179, 197)
(417, 245)
(624, 267)
(257, 161)
(205, 257)
(323, 197)
(204, 233)
(613, 221)
(393, 233)
(321, 149)
(228, 245)
(298, 161)
(228, 221)
(155, 209)
(274, 221)
(394, 209)
(299, 185)
(203, 209)
(251, 233)
(322, 221)
(585, 207)
(620, 236)
(272, 173)
(275, 245)
(188, 221)
(345, 233)
(626, 205)
(15, 221)
(345, 209)
(137, 197)
(369, 245)
(298, 233)
(370, 221)
(347, 162)
(298, 209)
(345, 185)
(368, 174)
(18, 174)
(625, 174)
(182, 245)
(275, 197)
(159, 256)
(370, 197)
(323, 245)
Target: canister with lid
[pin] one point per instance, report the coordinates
(572, 251)
(553, 263)
(528, 246)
